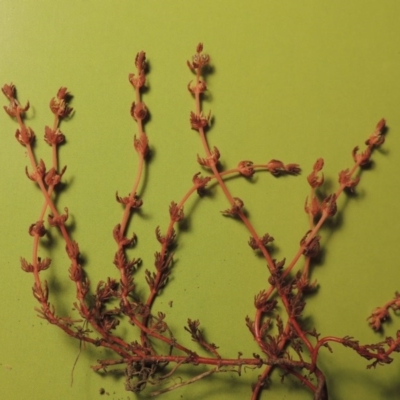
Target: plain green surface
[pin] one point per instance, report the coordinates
(292, 80)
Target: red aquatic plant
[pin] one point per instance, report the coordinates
(283, 339)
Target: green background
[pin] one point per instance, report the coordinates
(292, 80)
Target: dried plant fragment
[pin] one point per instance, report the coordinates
(149, 351)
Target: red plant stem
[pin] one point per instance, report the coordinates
(80, 290)
(318, 226)
(258, 319)
(154, 292)
(221, 362)
(193, 358)
(313, 233)
(292, 321)
(124, 222)
(132, 194)
(378, 355)
(36, 273)
(139, 173)
(242, 216)
(164, 248)
(258, 387)
(310, 215)
(35, 247)
(46, 194)
(322, 342)
(156, 335)
(217, 175)
(56, 125)
(142, 325)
